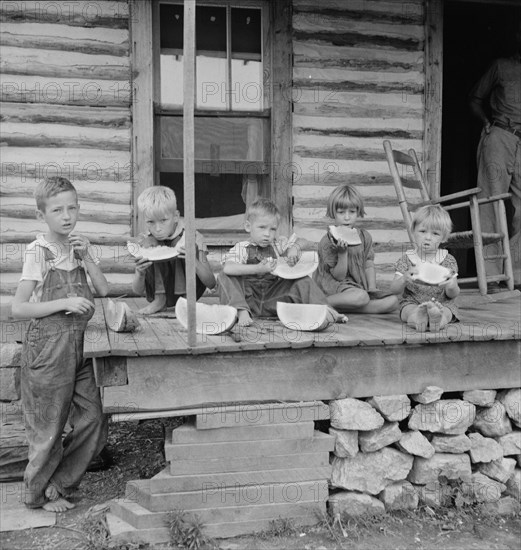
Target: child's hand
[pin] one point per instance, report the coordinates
(77, 304)
(142, 264)
(80, 245)
(182, 252)
(341, 245)
(292, 255)
(451, 283)
(267, 265)
(409, 275)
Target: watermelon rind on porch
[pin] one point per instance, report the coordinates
(210, 318)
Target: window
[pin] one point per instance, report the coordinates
(232, 116)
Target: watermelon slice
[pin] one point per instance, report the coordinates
(349, 235)
(155, 253)
(306, 317)
(431, 274)
(210, 319)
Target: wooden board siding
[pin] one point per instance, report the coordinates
(65, 90)
(358, 78)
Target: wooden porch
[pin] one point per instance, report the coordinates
(153, 371)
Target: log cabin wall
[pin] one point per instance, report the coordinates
(358, 78)
(65, 93)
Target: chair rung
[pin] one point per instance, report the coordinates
(495, 257)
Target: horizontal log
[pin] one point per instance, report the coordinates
(96, 191)
(23, 208)
(370, 101)
(41, 62)
(327, 174)
(316, 192)
(328, 76)
(364, 58)
(119, 283)
(317, 203)
(14, 230)
(355, 39)
(411, 12)
(79, 13)
(367, 26)
(341, 109)
(64, 135)
(76, 164)
(386, 236)
(406, 88)
(64, 91)
(386, 215)
(62, 37)
(359, 127)
(370, 145)
(113, 258)
(40, 113)
(326, 167)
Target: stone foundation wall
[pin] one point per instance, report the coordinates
(396, 452)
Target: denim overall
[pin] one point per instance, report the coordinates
(259, 294)
(57, 387)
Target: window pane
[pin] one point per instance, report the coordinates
(247, 73)
(171, 44)
(216, 139)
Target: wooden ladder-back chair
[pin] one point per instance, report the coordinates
(411, 176)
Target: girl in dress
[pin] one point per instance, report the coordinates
(427, 306)
(346, 270)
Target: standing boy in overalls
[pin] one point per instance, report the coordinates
(57, 384)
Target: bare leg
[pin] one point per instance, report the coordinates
(416, 316)
(158, 304)
(382, 305)
(244, 318)
(351, 299)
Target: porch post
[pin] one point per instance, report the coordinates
(188, 161)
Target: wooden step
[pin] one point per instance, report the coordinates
(165, 482)
(188, 433)
(141, 518)
(122, 531)
(256, 414)
(233, 449)
(222, 497)
(249, 463)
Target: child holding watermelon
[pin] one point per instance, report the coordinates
(426, 276)
(346, 270)
(248, 282)
(57, 384)
(164, 282)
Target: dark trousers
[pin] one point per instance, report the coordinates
(259, 295)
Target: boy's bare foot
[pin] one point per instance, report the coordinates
(335, 317)
(157, 305)
(56, 502)
(58, 505)
(435, 316)
(244, 318)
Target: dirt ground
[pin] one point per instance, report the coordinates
(137, 451)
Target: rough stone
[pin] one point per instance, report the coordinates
(370, 472)
(514, 485)
(415, 443)
(427, 470)
(399, 496)
(355, 504)
(493, 421)
(501, 469)
(448, 416)
(346, 442)
(486, 489)
(484, 449)
(511, 400)
(353, 414)
(374, 440)
(451, 443)
(482, 398)
(392, 407)
(505, 506)
(511, 443)
(428, 395)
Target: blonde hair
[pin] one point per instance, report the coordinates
(345, 196)
(157, 200)
(262, 207)
(433, 216)
(50, 187)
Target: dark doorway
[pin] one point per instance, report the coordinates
(474, 34)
